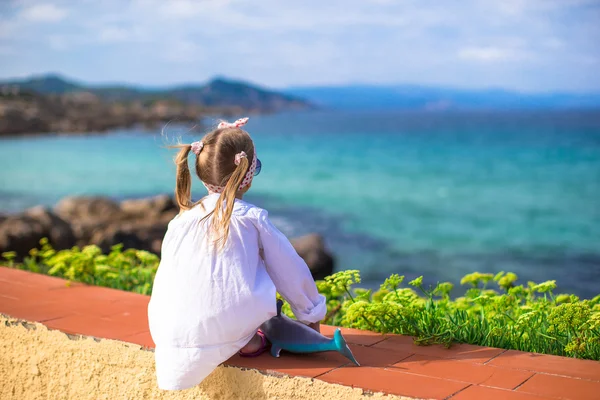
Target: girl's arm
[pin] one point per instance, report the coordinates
(290, 274)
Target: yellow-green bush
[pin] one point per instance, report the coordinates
(131, 270)
(510, 316)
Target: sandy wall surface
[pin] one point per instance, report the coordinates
(37, 363)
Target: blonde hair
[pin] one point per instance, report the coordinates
(215, 165)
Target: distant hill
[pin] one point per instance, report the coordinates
(219, 92)
(424, 97)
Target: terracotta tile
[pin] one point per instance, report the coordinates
(10, 274)
(394, 382)
(19, 298)
(101, 308)
(137, 304)
(20, 291)
(34, 312)
(143, 339)
(31, 279)
(98, 301)
(129, 312)
(79, 306)
(561, 387)
(100, 327)
(8, 302)
(368, 356)
(10, 277)
(89, 292)
(586, 369)
(463, 371)
(133, 299)
(354, 336)
(308, 365)
(475, 354)
(487, 393)
(106, 309)
(137, 320)
(507, 378)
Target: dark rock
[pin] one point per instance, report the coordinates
(139, 224)
(78, 208)
(135, 234)
(112, 235)
(152, 206)
(312, 250)
(87, 215)
(22, 232)
(18, 121)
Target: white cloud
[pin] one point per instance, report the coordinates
(459, 42)
(184, 51)
(490, 54)
(6, 50)
(44, 13)
(513, 7)
(113, 34)
(7, 28)
(58, 42)
(590, 60)
(553, 43)
(184, 9)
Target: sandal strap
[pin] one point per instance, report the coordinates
(262, 347)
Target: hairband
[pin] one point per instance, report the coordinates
(247, 178)
(198, 146)
(236, 124)
(239, 156)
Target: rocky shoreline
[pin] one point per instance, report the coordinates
(139, 224)
(23, 113)
(52, 104)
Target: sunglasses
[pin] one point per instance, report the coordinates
(258, 167)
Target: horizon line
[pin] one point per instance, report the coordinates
(338, 85)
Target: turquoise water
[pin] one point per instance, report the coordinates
(439, 194)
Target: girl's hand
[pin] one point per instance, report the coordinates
(316, 326)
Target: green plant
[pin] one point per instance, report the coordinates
(131, 270)
(528, 318)
(510, 316)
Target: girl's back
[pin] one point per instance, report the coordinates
(201, 297)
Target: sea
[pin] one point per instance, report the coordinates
(433, 193)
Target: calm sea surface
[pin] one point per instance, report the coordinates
(437, 194)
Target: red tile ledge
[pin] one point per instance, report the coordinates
(391, 364)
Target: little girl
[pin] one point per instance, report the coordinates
(222, 263)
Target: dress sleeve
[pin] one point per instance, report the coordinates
(289, 273)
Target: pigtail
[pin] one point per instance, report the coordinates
(224, 208)
(183, 186)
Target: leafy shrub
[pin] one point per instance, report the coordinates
(131, 270)
(510, 316)
(528, 318)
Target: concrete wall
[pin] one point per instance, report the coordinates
(37, 363)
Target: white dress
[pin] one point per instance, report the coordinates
(205, 307)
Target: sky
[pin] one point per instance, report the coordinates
(524, 45)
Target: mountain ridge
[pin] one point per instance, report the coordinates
(217, 92)
(222, 91)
